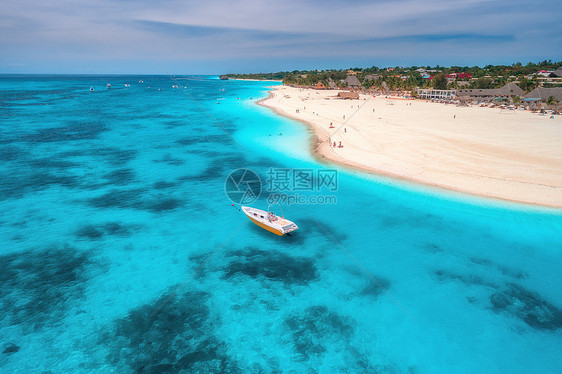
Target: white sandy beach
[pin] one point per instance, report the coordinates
(499, 153)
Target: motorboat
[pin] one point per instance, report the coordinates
(270, 221)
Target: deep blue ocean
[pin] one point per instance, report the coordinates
(121, 250)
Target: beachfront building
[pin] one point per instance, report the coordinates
(549, 77)
(508, 91)
(372, 77)
(556, 73)
(543, 73)
(460, 76)
(437, 94)
(348, 95)
(543, 93)
(319, 86)
(352, 82)
(384, 88)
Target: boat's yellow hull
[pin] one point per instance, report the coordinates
(264, 226)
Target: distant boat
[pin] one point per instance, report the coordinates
(109, 85)
(174, 86)
(127, 85)
(270, 221)
(141, 81)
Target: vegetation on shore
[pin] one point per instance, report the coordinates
(408, 78)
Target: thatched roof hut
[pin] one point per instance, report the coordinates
(556, 73)
(544, 93)
(372, 77)
(348, 95)
(352, 82)
(509, 90)
(384, 87)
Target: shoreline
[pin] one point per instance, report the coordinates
(322, 150)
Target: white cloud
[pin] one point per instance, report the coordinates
(106, 29)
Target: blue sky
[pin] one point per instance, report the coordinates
(213, 37)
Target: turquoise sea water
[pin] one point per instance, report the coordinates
(121, 252)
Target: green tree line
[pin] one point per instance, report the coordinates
(408, 78)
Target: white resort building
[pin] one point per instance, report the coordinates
(437, 94)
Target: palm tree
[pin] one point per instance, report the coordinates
(552, 100)
(440, 81)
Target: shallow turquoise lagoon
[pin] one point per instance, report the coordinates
(121, 251)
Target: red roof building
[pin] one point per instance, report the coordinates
(459, 76)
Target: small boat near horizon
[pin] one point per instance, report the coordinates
(270, 221)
